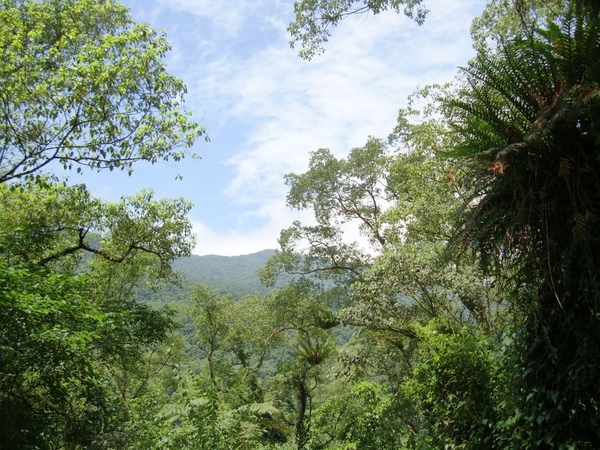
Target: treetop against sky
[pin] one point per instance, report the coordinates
(265, 109)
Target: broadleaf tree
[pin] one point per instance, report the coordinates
(75, 328)
(314, 19)
(82, 85)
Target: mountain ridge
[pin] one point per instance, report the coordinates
(235, 275)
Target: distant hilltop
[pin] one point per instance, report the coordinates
(235, 275)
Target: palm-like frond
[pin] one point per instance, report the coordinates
(528, 125)
(528, 122)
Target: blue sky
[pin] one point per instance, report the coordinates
(265, 109)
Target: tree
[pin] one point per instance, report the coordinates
(233, 341)
(49, 224)
(404, 200)
(313, 19)
(261, 363)
(81, 85)
(500, 21)
(524, 121)
(48, 384)
(527, 121)
(74, 332)
(342, 193)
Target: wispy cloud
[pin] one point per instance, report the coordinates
(266, 109)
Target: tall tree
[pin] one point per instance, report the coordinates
(81, 85)
(527, 121)
(342, 193)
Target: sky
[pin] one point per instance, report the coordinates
(265, 109)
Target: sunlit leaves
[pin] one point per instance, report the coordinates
(314, 19)
(82, 85)
(48, 223)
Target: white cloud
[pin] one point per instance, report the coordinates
(230, 14)
(228, 17)
(232, 243)
(353, 91)
(288, 107)
(242, 240)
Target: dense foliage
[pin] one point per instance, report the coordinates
(445, 295)
(82, 85)
(527, 120)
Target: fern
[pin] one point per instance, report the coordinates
(528, 125)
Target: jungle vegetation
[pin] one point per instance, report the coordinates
(466, 317)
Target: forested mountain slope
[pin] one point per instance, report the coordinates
(235, 275)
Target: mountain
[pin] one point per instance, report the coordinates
(235, 275)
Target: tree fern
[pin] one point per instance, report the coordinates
(513, 115)
(528, 125)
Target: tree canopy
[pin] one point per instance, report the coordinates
(314, 19)
(460, 313)
(82, 85)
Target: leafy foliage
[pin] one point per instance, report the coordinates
(75, 335)
(48, 384)
(356, 416)
(386, 340)
(527, 121)
(453, 389)
(313, 19)
(81, 85)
